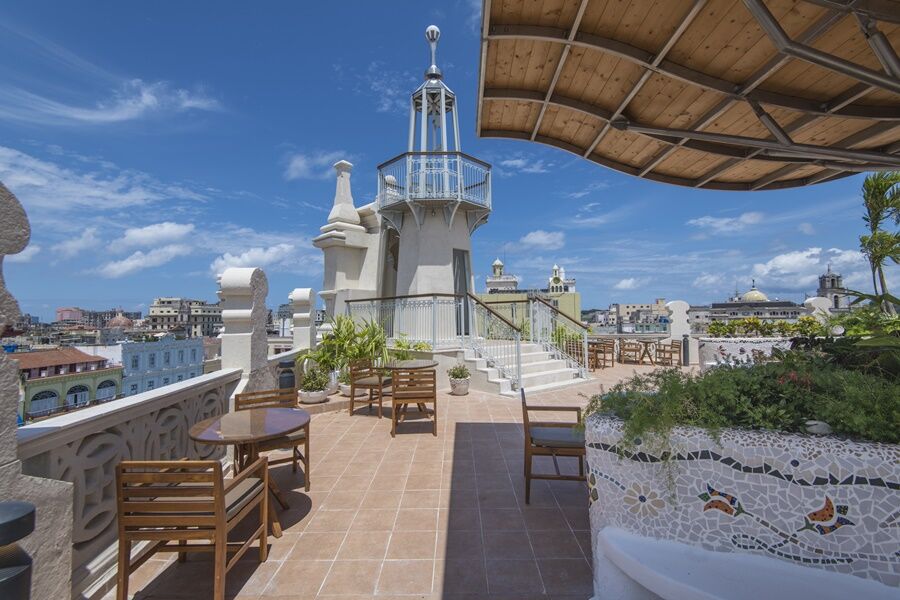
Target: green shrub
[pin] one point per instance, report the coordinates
(315, 380)
(403, 348)
(780, 395)
(458, 371)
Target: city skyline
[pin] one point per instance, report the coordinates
(147, 169)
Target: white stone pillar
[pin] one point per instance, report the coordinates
(680, 325)
(243, 294)
(50, 544)
(303, 306)
(818, 307)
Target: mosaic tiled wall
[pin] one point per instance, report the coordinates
(819, 502)
(737, 351)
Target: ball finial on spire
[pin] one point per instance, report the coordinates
(433, 34)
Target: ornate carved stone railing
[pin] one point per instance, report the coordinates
(84, 447)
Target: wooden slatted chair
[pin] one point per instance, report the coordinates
(630, 352)
(551, 438)
(414, 387)
(602, 354)
(668, 354)
(185, 506)
(283, 398)
(365, 376)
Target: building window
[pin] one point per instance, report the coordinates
(165, 381)
(133, 389)
(192, 374)
(193, 355)
(166, 357)
(152, 360)
(181, 356)
(151, 384)
(180, 377)
(135, 361)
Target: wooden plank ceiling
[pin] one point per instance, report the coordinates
(682, 91)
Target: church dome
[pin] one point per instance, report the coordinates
(754, 295)
(120, 321)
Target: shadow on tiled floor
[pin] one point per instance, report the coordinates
(416, 516)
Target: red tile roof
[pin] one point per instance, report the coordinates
(52, 358)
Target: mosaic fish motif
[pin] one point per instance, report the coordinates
(717, 500)
(827, 519)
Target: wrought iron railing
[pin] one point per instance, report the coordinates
(496, 339)
(559, 334)
(434, 176)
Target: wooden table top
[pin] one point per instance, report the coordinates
(249, 426)
(412, 364)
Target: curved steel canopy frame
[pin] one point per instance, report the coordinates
(838, 160)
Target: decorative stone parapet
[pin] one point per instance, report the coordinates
(738, 350)
(84, 447)
(303, 306)
(243, 292)
(817, 502)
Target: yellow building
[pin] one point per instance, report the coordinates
(560, 292)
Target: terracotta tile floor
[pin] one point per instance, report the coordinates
(416, 516)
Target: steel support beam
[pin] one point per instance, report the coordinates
(882, 10)
(673, 39)
(559, 67)
(880, 45)
(482, 62)
(786, 45)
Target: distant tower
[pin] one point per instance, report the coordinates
(831, 286)
(432, 197)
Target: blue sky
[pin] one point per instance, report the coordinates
(153, 144)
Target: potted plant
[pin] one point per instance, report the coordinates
(314, 387)
(459, 379)
(344, 385)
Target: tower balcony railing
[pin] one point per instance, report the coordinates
(434, 177)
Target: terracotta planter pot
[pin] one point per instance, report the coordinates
(313, 397)
(459, 387)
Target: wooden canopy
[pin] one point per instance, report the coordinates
(722, 94)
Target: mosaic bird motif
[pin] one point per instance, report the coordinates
(717, 500)
(827, 519)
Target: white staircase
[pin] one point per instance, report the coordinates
(540, 371)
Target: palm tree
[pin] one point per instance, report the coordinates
(881, 197)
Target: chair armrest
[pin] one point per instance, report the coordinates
(260, 465)
(553, 424)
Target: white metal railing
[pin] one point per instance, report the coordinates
(434, 176)
(84, 447)
(495, 338)
(558, 334)
(438, 320)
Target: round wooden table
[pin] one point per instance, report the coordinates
(412, 364)
(646, 351)
(249, 428)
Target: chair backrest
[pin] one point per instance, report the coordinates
(283, 398)
(172, 494)
(525, 422)
(630, 346)
(361, 368)
(418, 384)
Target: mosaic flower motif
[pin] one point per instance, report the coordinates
(643, 501)
(827, 519)
(716, 500)
(592, 486)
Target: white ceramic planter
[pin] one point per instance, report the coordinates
(345, 390)
(332, 383)
(313, 397)
(459, 387)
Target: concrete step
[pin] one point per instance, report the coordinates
(541, 366)
(545, 377)
(541, 388)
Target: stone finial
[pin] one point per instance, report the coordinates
(303, 305)
(243, 292)
(818, 307)
(14, 236)
(343, 210)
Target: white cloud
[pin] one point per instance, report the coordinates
(312, 166)
(708, 280)
(630, 283)
(525, 165)
(133, 99)
(142, 260)
(25, 255)
(47, 187)
(806, 228)
(152, 235)
(74, 246)
(727, 224)
(537, 240)
(799, 270)
(589, 189)
(254, 257)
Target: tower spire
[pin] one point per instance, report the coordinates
(433, 34)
